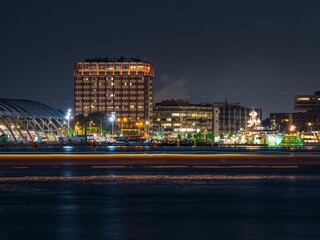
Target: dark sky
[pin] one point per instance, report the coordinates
(259, 53)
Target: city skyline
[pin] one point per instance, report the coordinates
(258, 54)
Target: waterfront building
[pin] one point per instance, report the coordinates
(26, 120)
(228, 118)
(307, 102)
(305, 121)
(121, 88)
(281, 121)
(173, 118)
(302, 121)
(179, 117)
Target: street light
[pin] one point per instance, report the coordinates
(309, 126)
(139, 124)
(68, 115)
(292, 128)
(121, 121)
(112, 118)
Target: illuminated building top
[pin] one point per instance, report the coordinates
(114, 66)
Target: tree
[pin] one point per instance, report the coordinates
(81, 121)
(210, 136)
(200, 136)
(221, 136)
(78, 122)
(189, 136)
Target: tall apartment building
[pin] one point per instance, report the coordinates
(123, 86)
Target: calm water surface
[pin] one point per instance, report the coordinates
(79, 202)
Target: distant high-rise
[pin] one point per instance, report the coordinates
(121, 86)
(307, 102)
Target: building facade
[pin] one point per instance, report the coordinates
(307, 102)
(281, 121)
(173, 117)
(230, 118)
(302, 121)
(179, 117)
(305, 121)
(117, 87)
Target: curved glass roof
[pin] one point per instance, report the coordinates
(27, 108)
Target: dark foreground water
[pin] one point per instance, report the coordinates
(81, 202)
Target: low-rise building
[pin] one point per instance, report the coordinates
(281, 121)
(307, 102)
(178, 117)
(229, 118)
(307, 120)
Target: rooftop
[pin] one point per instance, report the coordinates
(120, 59)
(27, 108)
(180, 102)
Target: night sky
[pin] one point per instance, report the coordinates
(259, 53)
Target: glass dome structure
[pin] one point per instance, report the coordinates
(26, 120)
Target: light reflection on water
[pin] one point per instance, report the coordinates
(172, 205)
(81, 202)
(112, 177)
